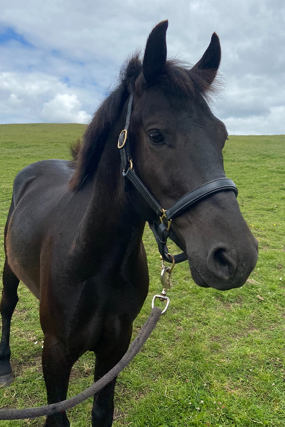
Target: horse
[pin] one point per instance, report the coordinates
(74, 230)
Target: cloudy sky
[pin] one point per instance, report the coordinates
(59, 58)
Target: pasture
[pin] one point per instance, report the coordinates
(216, 358)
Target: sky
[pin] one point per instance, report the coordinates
(60, 58)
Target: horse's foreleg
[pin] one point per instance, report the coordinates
(56, 368)
(7, 307)
(103, 406)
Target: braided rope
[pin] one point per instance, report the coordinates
(146, 330)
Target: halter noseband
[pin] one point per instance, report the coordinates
(161, 227)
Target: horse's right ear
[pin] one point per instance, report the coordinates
(155, 52)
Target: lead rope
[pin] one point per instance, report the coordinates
(146, 330)
(135, 347)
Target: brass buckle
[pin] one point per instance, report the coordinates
(163, 216)
(121, 144)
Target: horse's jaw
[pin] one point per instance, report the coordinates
(197, 277)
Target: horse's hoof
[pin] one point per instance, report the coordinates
(6, 380)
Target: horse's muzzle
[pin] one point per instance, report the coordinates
(225, 269)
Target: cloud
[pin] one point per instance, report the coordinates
(37, 97)
(258, 125)
(14, 101)
(64, 108)
(81, 46)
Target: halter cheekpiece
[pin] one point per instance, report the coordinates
(161, 227)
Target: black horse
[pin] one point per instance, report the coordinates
(74, 230)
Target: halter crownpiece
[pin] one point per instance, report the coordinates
(161, 227)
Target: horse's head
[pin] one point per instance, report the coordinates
(176, 144)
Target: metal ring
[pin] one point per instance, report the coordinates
(173, 262)
(161, 297)
(125, 133)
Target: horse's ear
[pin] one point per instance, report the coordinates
(208, 65)
(155, 52)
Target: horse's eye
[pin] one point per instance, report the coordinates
(156, 137)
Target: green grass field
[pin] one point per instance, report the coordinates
(215, 359)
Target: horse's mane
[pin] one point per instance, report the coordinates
(177, 78)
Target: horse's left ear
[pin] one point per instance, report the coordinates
(210, 61)
(155, 52)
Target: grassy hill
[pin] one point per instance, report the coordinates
(215, 359)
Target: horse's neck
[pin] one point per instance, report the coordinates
(110, 220)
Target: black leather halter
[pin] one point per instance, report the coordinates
(161, 227)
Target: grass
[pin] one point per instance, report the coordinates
(215, 359)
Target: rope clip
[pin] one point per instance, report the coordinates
(165, 274)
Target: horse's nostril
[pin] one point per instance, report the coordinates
(221, 263)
